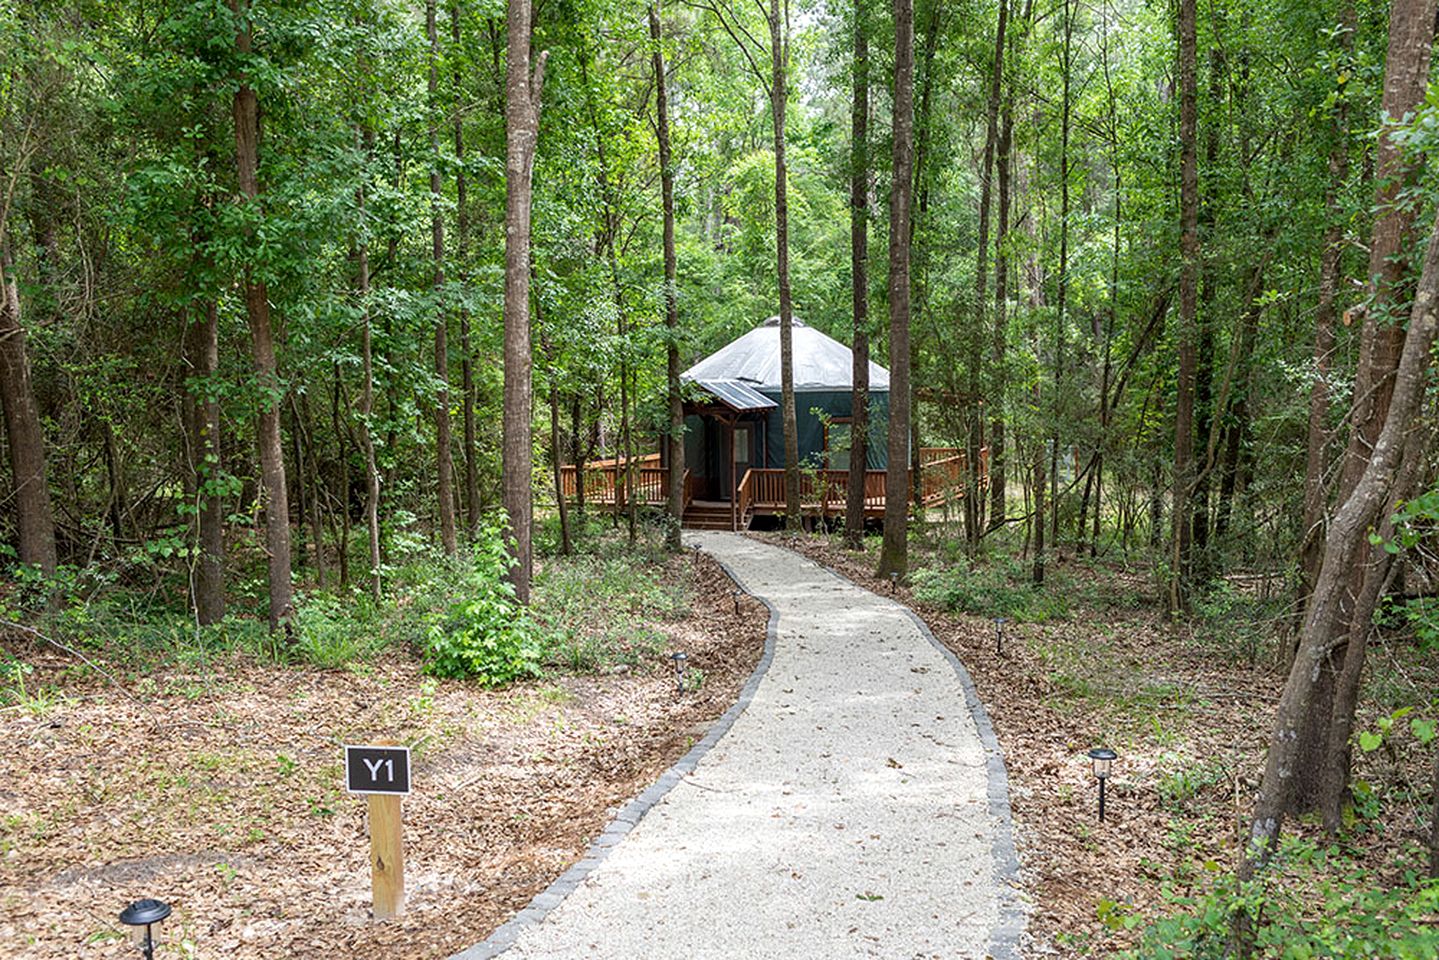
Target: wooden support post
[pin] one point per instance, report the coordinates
(387, 856)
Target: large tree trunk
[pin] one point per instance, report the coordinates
(522, 127)
(203, 348)
(676, 491)
(257, 311)
(444, 456)
(1188, 308)
(779, 97)
(34, 521)
(895, 555)
(1326, 617)
(1406, 71)
(859, 284)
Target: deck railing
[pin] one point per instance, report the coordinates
(610, 484)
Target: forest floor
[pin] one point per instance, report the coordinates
(1091, 662)
(219, 789)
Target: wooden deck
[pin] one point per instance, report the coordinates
(610, 486)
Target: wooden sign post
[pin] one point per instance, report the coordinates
(382, 773)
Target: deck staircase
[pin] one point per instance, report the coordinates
(710, 515)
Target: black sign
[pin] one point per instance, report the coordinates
(377, 769)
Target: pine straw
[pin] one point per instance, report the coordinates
(234, 812)
(1180, 719)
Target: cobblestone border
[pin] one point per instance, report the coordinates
(633, 812)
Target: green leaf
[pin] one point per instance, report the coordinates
(1423, 729)
(1369, 742)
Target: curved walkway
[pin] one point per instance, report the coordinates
(856, 807)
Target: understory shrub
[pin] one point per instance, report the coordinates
(1322, 905)
(998, 589)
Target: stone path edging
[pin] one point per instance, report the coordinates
(1004, 941)
(633, 812)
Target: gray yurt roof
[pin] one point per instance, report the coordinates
(820, 362)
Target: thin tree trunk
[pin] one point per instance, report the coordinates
(522, 116)
(676, 491)
(444, 455)
(204, 356)
(859, 284)
(894, 557)
(257, 310)
(1188, 308)
(779, 50)
(1061, 318)
(462, 251)
(1346, 539)
(1000, 376)
(367, 391)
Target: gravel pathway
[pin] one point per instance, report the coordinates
(854, 808)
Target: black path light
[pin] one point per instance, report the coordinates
(893, 581)
(736, 595)
(679, 658)
(999, 623)
(145, 913)
(1102, 758)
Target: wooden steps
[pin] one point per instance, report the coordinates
(709, 516)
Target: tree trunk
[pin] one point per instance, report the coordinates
(1188, 309)
(522, 122)
(367, 394)
(444, 455)
(462, 250)
(1346, 539)
(859, 285)
(34, 521)
(1406, 70)
(257, 311)
(203, 348)
(779, 50)
(895, 555)
(1000, 379)
(676, 491)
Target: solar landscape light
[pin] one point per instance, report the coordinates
(893, 581)
(999, 623)
(736, 595)
(144, 913)
(679, 658)
(1102, 757)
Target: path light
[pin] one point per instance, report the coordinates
(999, 623)
(735, 594)
(144, 913)
(1102, 757)
(893, 581)
(679, 658)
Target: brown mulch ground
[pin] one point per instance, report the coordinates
(1190, 733)
(219, 791)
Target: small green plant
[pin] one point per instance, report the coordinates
(998, 589)
(486, 635)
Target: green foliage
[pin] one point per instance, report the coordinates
(485, 634)
(1234, 624)
(1326, 907)
(995, 589)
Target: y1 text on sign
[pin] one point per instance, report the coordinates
(377, 769)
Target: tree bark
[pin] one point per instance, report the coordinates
(999, 379)
(203, 348)
(1346, 538)
(444, 455)
(462, 250)
(779, 51)
(522, 122)
(1062, 298)
(1188, 309)
(676, 491)
(1406, 70)
(34, 521)
(859, 284)
(894, 557)
(367, 390)
(257, 311)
